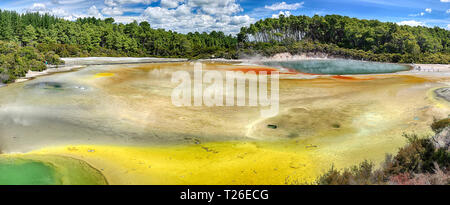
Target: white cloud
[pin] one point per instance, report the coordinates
(411, 23)
(445, 1)
(284, 6)
(198, 15)
(239, 20)
(123, 2)
(448, 11)
(284, 13)
(215, 7)
(38, 7)
(93, 11)
(110, 3)
(171, 3)
(428, 10)
(112, 11)
(177, 15)
(56, 11)
(64, 2)
(128, 19)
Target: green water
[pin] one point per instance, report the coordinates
(339, 67)
(17, 171)
(26, 172)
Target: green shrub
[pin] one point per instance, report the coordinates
(362, 174)
(418, 162)
(439, 125)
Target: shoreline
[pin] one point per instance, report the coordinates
(50, 70)
(118, 60)
(73, 64)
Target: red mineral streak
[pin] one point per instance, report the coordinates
(349, 78)
(267, 70)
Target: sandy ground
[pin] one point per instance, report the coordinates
(51, 70)
(117, 60)
(439, 68)
(78, 63)
(323, 120)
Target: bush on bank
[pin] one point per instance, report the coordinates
(419, 162)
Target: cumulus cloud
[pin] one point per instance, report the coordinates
(411, 23)
(38, 7)
(215, 7)
(93, 11)
(284, 6)
(284, 13)
(171, 3)
(177, 15)
(56, 11)
(112, 11)
(428, 10)
(198, 15)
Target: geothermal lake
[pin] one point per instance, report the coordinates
(339, 67)
(116, 124)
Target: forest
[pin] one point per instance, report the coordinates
(347, 37)
(30, 41)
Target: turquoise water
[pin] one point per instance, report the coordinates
(339, 67)
(53, 170)
(26, 172)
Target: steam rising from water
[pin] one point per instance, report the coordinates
(339, 67)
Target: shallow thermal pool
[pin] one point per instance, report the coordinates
(339, 67)
(118, 122)
(27, 171)
(16, 171)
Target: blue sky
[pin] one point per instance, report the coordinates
(230, 15)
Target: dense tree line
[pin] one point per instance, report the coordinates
(93, 37)
(49, 38)
(16, 60)
(371, 38)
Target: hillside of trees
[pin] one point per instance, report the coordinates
(32, 40)
(94, 37)
(17, 60)
(48, 38)
(347, 37)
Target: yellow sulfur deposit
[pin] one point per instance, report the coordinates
(101, 75)
(214, 163)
